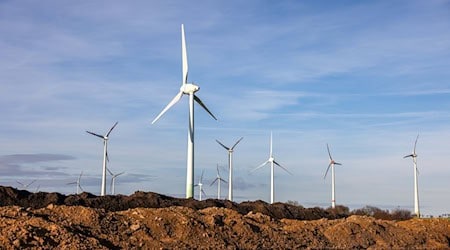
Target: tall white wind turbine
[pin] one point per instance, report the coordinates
(331, 165)
(78, 183)
(200, 187)
(105, 156)
(187, 89)
(219, 180)
(230, 167)
(416, 172)
(272, 162)
(112, 188)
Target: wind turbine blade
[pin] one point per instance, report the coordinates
(20, 183)
(79, 177)
(329, 165)
(201, 177)
(260, 166)
(221, 144)
(329, 154)
(71, 183)
(276, 163)
(237, 143)
(79, 186)
(204, 106)
(107, 156)
(115, 124)
(101, 136)
(109, 171)
(171, 103)
(121, 173)
(184, 55)
(31, 183)
(203, 192)
(223, 180)
(408, 156)
(271, 144)
(415, 144)
(336, 163)
(214, 181)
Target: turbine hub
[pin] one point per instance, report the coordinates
(189, 88)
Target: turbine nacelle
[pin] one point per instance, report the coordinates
(189, 88)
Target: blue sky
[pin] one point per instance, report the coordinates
(364, 76)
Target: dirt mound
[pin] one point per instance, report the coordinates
(76, 227)
(152, 221)
(13, 197)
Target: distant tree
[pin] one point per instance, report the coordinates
(401, 214)
(339, 211)
(293, 203)
(373, 212)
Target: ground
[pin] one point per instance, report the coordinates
(191, 224)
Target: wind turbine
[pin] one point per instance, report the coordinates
(78, 183)
(218, 179)
(187, 89)
(113, 180)
(272, 162)
(105, 156)
(332, 163)
(200, 185)
(416, 172)
(230, 167)
(27, 185)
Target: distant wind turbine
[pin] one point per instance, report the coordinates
(219, 180)
(200, 187)
(416, 186)
(230, 167)
(78, 183)
(272, 162)
(332, 163)
(105, 156)
(27, 185)
(187, 89)
(113, 180)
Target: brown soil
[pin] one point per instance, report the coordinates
(196, 225)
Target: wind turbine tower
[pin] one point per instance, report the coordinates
(272, 162)
(416, 185)
(230, 167)
(218, 179)
(331, 165)
(105, 156)
(187, 89)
